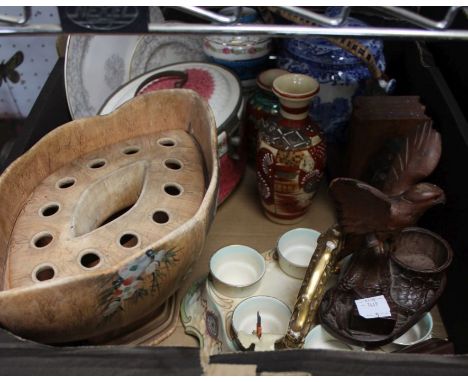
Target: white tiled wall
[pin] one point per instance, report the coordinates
(40, 56)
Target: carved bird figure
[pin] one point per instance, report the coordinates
(363, 208)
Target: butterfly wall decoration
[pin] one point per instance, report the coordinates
(8, 69)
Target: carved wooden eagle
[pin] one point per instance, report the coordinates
(363, 208)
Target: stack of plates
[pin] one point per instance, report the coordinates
(102, 72)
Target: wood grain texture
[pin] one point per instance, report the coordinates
(130, 283)
(135, 180)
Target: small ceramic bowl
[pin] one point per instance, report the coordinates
(295, 249)
(419, 332)
(236, 270)
(318, 338)
(274, 313)
(236, 48)
(265, 79)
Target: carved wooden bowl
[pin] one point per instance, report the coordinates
(103, 217)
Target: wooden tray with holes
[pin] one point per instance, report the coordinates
(103, 217)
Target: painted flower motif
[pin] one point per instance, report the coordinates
(112, 308)
(267, 162)
(134, 269)
(128, 292)
(310, 181)
(151, 268)
(130, 280)
(252, 50)
(263, 187)
(199, 80)
(226, 50)
(211, 324)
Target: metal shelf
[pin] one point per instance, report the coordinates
(308, 23)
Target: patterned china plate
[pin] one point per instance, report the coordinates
(154, 52)
(97, 65)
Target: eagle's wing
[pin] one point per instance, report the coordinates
(361, 208)
(416, 160)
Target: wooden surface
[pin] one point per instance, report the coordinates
(133, 174)
(240, 220)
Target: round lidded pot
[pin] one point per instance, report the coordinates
(341, 76)
(246, 55)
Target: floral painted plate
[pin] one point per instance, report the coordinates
(215, 84)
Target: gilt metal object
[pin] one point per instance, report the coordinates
(321, 267)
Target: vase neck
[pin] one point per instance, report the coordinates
(294, 109)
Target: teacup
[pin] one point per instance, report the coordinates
(236, 270)
(272, 314)
(295, 249)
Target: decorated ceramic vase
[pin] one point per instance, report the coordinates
(290, 152)
(262, 105)
(341, 76)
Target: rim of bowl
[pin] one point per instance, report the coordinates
(427, 316)
(299, 96)
(292, 230)
(256, 297)
(263, 84)
(317, 330)
(218, 39)
(236, 285)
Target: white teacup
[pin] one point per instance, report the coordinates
(237, 270)
(295, 249)
(274, 317)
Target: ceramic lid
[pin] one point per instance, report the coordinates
(217, 85)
